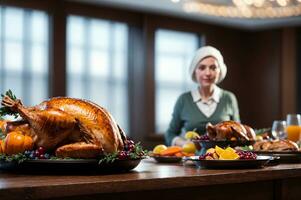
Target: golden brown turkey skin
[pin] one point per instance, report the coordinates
(76, 127)
(276, 145)
(227, 130)
(93, 120)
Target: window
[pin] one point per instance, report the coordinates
(97, 64)
(173, 53)
(24, 54)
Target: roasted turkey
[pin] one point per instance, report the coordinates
(275, 145)
(230, 130)
(70, 127)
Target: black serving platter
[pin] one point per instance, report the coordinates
(77, 166)
(260, 162)
(167, 159)
(284, 156)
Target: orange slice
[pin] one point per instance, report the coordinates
(228, 155)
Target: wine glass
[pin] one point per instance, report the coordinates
(293, 122)
(279, 129)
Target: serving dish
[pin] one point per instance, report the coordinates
(78, 166)
(260, 162)
(284, 156)
(167, 159)
(203, 145)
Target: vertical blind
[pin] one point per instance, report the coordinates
(173, 53)
(97, 64)
(24, 53)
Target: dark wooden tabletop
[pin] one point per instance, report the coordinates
(149, 175)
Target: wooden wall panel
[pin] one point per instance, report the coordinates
(259, 93)
(288, 72)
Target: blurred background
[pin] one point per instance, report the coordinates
(132, 56)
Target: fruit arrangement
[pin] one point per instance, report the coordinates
(187, 150)
(229, 153)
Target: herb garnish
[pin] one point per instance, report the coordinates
(5, 110)
(136, 153)
(20, 157)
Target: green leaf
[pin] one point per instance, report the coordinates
(137, 153)
(5, 110)
(20, 157)
(109, 158)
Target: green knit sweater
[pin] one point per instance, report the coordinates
(187, 116)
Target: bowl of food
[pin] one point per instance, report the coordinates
(225, 134)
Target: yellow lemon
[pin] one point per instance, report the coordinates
(230, 149)
(211, 150)
(228, 155)
(191, 134)
(189, 148)
(219, 150)
(159, 148)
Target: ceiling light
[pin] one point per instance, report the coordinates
(243, 8)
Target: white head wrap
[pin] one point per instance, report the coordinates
(206, 51)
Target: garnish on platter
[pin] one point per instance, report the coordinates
(130, 151)
(229, 153)
(229, 158)
(62, 128)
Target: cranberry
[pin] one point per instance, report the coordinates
(41, 150)
(203, 137)
(123, 155)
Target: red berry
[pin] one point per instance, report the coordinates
(41, 150)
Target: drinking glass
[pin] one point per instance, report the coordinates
(293, 122)
(279, 129)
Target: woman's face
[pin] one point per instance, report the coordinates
(207, 72)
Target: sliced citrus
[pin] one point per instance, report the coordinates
(230, 149)
(228, 155)
(211, 150)
(191, 134)
(159, 148)
(219, 150)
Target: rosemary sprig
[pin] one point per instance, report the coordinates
(5, 110)
(136, 153)
(20, 157)
(109, 158)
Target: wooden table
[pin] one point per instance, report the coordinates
(159, 181)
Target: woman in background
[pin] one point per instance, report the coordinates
(208, 103)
